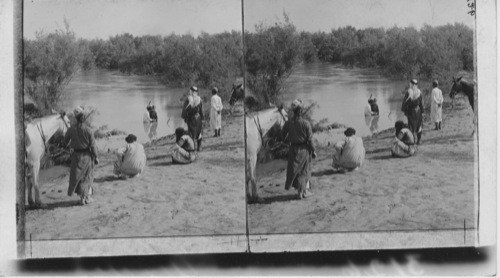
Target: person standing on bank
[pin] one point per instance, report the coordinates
(299, 132)
(192, 113)
(436, 105)
(215, 112)
(413, 109)
(83, 158)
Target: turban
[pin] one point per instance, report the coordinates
(194, 89)
(296, 103)
(414, 81)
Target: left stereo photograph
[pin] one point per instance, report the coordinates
(132, 114)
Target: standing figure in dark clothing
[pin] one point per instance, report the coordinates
(299, 131)
(374, 107)
(413, 109)
(192, 113)
(83, 158)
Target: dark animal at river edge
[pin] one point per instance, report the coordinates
(464, 86)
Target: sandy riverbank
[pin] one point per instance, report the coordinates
(203, 198)
(432, 190)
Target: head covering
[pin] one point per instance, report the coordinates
(349, 132)
(178, 133)
(296, 103)
(399, 125)
(131, 138)
(374, 100)
(370, 101)
(414, 81)
(194, 89)
(78, 112)
(215, 90)
(435, 83)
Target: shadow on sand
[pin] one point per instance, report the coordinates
(383, 157)
(51, 206)
(324, 173)
(106, 178)
(280, 198)
(163, 163)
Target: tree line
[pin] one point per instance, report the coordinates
(270, 54)
(428, 53)
(51, 60)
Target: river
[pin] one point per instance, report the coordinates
(121, 101)
(342, 95)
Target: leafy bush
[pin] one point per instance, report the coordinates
(50, 61)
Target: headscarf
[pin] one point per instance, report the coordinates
(194, 99)
(78, 112)
(215, 91)
(414, 91)
(435, 83)
(178, 133)
(297, 107)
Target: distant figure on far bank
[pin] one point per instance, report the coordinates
(413, 108)
(371, 109)
(185, 151)
(153, 116)
(192, 113)
(131, 159)
(83, 158)
(436, 105)
(404, 145)
(215, 112)
(349, 153)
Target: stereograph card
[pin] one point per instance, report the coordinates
(182, 121)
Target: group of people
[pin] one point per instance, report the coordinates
(349, 153)
(409, 135)
(131, 159)
(188, 142)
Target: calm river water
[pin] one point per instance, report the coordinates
(121, 101)
(342, 95)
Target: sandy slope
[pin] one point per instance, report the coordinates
(206, 197)
(432, 190)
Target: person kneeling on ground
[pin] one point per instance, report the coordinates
(404, 146)
(184, 154)
(349, 153)
(131, 158)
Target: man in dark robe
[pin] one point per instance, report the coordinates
(192, 113)
(299, 132)
(413, 108)
(83, 158)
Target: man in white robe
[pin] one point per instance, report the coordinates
(215, 112)
(436, 105)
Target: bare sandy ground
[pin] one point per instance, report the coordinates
(432, 190)
(203, 198)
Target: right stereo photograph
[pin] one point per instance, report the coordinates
(361, 124)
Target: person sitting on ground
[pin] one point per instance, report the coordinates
(131, 159)
(185, 148)
(404, 145)
(349, 153)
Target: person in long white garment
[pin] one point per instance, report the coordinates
(436, 105)
(215, 112)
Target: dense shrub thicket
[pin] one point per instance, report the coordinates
(270, 55)
(403, 53)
